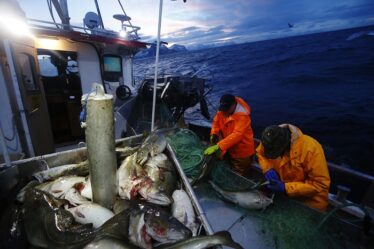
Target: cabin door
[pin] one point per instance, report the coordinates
(62, 85)
(33, 98)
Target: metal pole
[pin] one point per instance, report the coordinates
(156, 65)
(99, 13)
(65, 10)
(21, 109)
(99, 132)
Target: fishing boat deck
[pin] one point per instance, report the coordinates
(222, 215)
(284, 224)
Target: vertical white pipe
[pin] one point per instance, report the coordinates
(156, 65)
(101, 146)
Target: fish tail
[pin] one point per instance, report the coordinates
(216, 188)
(226, 239)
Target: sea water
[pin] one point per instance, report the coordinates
(322, 83)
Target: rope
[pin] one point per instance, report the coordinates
(189, 151)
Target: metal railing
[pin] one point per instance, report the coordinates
(54, 26)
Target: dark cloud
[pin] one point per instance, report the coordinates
(250, 20)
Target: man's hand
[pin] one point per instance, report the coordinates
(211, 149)
(214, 139)
(271, 174)
(276, 186)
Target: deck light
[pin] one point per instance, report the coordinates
(123, 33)
(49, 42)
(14, 25)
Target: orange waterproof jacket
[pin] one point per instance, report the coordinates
(235, 130)
(304, 171)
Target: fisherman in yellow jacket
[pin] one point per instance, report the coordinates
(294, 164)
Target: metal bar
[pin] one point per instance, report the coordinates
(12, 69)
(64, 26)
(156, 65)
(350, 172)
(59, 10)
(65, 10)
(99, 13)
(191, 193)
(66, 152)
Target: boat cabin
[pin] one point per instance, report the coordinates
(45, 67)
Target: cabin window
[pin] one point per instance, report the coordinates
(112, 68)
(47, 69)
(27, 66)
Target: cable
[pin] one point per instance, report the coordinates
(49, 3)
(15, 136)
(14, 131)
(99, 13)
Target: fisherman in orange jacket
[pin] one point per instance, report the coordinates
(294, 164)
(231, 131)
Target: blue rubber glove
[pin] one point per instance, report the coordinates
(276, 186)
(271, 174)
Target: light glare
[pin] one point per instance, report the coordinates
(123, 33)
(14, 25)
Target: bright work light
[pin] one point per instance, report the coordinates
(14, 25)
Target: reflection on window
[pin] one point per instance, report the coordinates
(26, 66)
(47, 69)
(72, 66)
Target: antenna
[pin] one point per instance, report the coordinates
(122, 18)
(91, 20)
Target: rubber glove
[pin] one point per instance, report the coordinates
(214, 139)
(211, 149)
(271, 174)
(276, 186)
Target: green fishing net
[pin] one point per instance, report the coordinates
(289, 225)
(285, 224)
(189, 151)
(225, 178)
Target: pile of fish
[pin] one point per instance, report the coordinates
(150, 211)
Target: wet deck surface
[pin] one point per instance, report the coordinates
(222, 215)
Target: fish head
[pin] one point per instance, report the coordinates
(142, 155)
(48, 199)
(159, 145)
(164, 227)
(177, 231)
(159, 198)
(63, 219)
(265, 201)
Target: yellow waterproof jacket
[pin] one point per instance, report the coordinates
(235, 130)
(304, 171)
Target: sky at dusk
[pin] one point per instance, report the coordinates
(221, 22)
